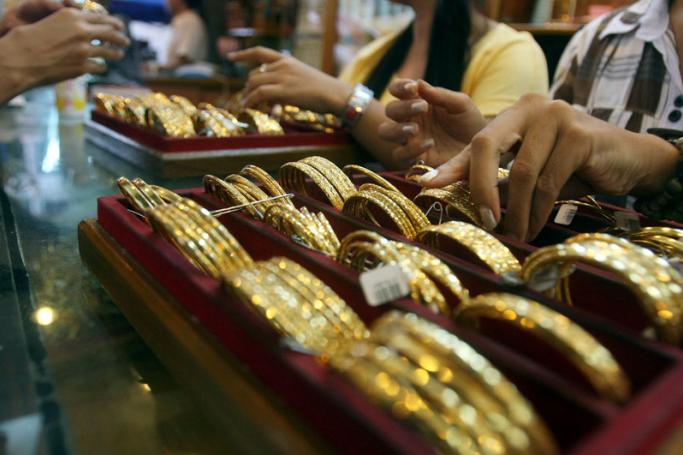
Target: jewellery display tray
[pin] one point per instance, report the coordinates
(227, 355)
(191, 157)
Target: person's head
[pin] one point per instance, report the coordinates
(448, 47)
(178, 6)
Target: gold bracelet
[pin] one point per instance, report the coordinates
(137, 199)
(260, 123)
(657, 284)
(272, 187)
(405, 403)
(377, 179)
(483, 245)
(417, 218)
(580, 348)
(333, 174)
(227, 193)
(358, 206)
(463, 207)
(293, 178)
(416, 171)
(449, 357)
(186, 105)
(294, 223)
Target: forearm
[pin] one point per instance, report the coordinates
(661, 159)
(13, 80)
(365, 133)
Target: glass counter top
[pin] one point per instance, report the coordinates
(76, 377)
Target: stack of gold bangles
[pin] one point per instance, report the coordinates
(656, 283)
(310, 229)
(415, 369)
(427, 275)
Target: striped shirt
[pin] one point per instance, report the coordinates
(623, 68)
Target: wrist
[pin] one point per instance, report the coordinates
(337, 97)
(663, 159)
(14, 81)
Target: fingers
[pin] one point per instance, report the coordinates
(398, 133)
(105, 52)
(107, 34)
(453, 170)
(453, 102)
(263, 94)
(411, 152)
(405, 110)
(258, 79)
(103, 19)
(404, 89)
(255, 54)
(537, 146)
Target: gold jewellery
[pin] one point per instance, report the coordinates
(479, 242)
(438, 383)
(578, 346)
(658, 285)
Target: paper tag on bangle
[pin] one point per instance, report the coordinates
(566, 213)
(384, 284)
(626, 221)
(676, 264)
(547, 278)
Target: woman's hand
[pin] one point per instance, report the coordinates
(286, 80)
(430, 124)
(28, 12)
(563, 153)
(58, 47)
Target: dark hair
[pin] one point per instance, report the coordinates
(196, 5)
(448, 48)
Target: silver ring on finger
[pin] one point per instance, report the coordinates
(263, 68)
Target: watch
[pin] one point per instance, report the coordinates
(358, 103)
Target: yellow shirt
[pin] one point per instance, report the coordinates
(505, 64)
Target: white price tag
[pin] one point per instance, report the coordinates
(566, 213)
(676, 264)
(626, 221)
(547, 278)
(384, 284)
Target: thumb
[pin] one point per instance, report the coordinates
(453, 102)
(453, 170)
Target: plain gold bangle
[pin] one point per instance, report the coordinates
(377, 179)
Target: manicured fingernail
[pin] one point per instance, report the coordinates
(429, 176)
(231, 55)
(427, 144)
(487, 218)
(409, 129)
(418, 107)
(410, 87)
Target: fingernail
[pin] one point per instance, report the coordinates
(427, 144)
(429, 176)
(231, 55)
(418, 107)
(409, 129)
(487, 218)
(410, 87)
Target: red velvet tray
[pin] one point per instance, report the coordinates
(581, 421)
(190, 157)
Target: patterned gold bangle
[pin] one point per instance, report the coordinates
(321, 297)
(293, 178)
(169, 121)
(658, 286)
(416, 170)
(351, 169)
(292, 222)
(272, 187)
(483, 245)
(436, 270)
(249, 189)
(260, 123)
(417, 218)
(359, 204)
(334, 175)
(185, 104)
(580, 348)
(464, 209)
(457, 364)
(405, 403)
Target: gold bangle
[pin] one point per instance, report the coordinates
(658, 286)
(333, 174)
(186, 105)
(350, 169)
(358, 207)
(463, 207)
(272, 187)
(227, 193)
(236, 255)
(580, 348)
(483, 245)
(454, 361)
(169, 121)
(292, 222)
(260, 123)
(416, 171)
(182, 236)
(293, 178)
(137, 199)
(321, 296)
(405, 403)
(417, 218)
